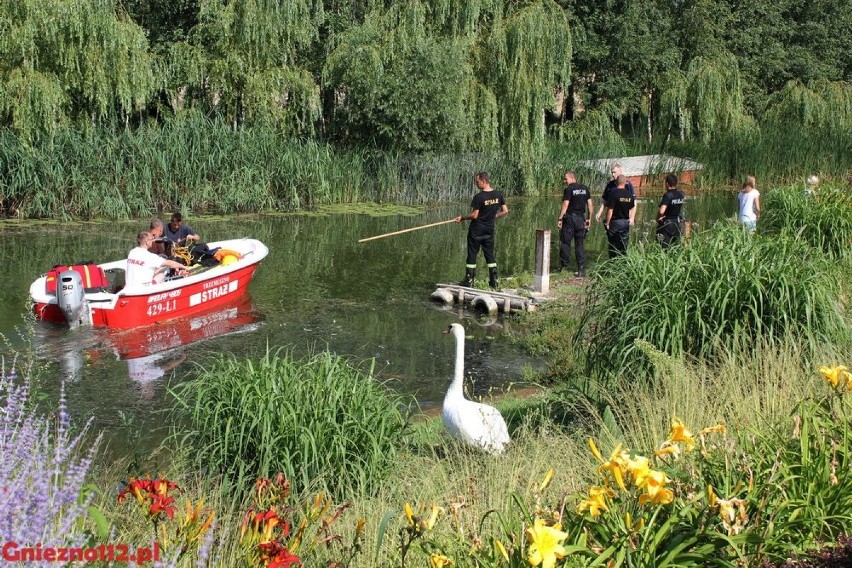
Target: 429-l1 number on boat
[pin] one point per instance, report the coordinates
(162, 308)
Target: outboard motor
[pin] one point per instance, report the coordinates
(71, 298)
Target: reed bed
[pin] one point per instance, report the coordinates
(205, 166)
(301, 418)
(822, 217)
(723, 289)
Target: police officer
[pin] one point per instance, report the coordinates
(610, 186)
(485, 207)
(619, 217)
(572, 220)
(668, 219)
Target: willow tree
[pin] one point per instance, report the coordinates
(403, 85)
(527, 56)
(822, 106)
(705, 100)
(241, 62)
(70, 61)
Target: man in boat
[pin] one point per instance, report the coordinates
(487, 206)
(177, 232)
(145, 267)
(183, 235)
(159, 244)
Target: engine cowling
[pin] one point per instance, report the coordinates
(71, 298)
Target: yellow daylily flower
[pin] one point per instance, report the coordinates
(711, 496)
(596, 501)
(836, 376)
(668, 449)
(546, 544)
(548, 477)
(733, 514)
(502, 550)
(439, 561)
(409, 514)
(359, 526)
(615, 465)
(656, 493)
(680, 433)
(433, 517)
(719, 428)
(638, 467)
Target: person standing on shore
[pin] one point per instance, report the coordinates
(749, 204)
(573, 223)
(668, 218)
(610, 186)
(485, 208)
(619, 217)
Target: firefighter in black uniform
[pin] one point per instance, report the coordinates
(486, 206)
(572, 220)
(618, 217)
(668, 219)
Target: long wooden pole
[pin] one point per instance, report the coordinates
(407, 230)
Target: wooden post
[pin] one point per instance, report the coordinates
(541, 282)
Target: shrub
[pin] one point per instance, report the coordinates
(318, 419)
(723, 288)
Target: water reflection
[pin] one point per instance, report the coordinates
(150, 352)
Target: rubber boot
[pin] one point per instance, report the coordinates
(469, 274)
(581, 272)
(492, 277)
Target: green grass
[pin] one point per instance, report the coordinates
(821, 217)
(302, 418)
(724, 288)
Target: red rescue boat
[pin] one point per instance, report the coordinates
(95, 294)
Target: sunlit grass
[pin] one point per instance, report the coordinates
(721, 289)
(302, 418)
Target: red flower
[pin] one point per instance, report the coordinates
(162, 504)
(276, 555)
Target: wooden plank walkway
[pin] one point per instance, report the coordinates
(487, 300)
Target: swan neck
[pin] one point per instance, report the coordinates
(458, 377)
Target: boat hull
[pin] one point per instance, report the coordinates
(180, 298)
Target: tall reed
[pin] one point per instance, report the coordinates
(822, 217)
(317, 421)
(723, 288)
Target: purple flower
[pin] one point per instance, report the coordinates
(43, 471)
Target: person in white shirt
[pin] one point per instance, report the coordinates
(749, 204)
(145, 267)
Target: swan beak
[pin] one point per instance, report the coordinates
(448, 330)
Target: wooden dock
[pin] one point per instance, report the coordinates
(489, 301)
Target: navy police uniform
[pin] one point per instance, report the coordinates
(668, 226)
(574, 225)
(480, 233)
(621, 201)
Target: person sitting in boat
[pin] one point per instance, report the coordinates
(179, 233)
(158, 246)
(145, 267)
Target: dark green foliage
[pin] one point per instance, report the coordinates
(404, 89)
(724, 288)
(317, 420)
(821, 217)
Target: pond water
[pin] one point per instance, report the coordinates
(318, 288)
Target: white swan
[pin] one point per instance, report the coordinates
(477, 424)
